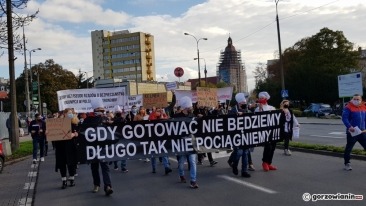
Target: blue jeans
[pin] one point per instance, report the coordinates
(105, 173)
(243, 153)
(192, 163)
(165, 162)
(41, 141)
(351, 141)
(123, 164)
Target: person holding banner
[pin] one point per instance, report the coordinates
(66, 152)
(287, 121)
(119, 120)
(240, 109)
(186, 105)
(201, 111)
(158, 114)
(98, 119)
(269, 147)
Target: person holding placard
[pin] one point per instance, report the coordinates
(66, 152)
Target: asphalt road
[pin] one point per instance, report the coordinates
(298, 174)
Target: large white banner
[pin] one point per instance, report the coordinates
(84, 100)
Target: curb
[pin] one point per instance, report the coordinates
(324, 152)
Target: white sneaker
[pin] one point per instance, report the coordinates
(42, 159)
(34, 161)
(347, 167)
(287, 152)
(147, 160)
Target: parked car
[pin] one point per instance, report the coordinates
(318, 110)
(2, 157)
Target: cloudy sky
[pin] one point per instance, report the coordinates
(63, 28)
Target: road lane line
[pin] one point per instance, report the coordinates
(263, 189)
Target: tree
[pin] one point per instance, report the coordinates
(52, 78)
(18, 22)
(311, 66)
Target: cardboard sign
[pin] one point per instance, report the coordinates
(58, 129)
(155, 99)
(207, 96)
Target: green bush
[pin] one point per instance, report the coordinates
(25, 149)
(297, 112)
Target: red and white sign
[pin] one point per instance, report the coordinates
(178, 72)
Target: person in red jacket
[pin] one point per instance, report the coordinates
(354, 118)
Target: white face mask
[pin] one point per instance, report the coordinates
(356, 102)
(70, 115)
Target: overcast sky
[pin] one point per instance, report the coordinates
(63, 28)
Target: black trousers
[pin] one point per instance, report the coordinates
(268, 152)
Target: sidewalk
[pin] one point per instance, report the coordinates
(315, 120)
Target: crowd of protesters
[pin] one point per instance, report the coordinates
(66, 155)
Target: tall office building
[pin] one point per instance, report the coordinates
(231, 69)
(123, 55)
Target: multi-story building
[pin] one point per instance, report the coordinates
(123, 55)
(231, 69)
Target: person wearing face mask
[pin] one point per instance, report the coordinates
(131, 115)
(240, 109)
(66, 151)
(287, 122)
(37, 129)
(98, 119)
(269, 147)
(354, 115)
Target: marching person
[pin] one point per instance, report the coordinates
(186, 106)
(354, 115)
(98, 119)
(159, 114)
(240, 109)
(66, 152)
(269, 147)
(37, 129)
(287, 122)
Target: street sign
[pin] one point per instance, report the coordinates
(284, 93)
(178, 72)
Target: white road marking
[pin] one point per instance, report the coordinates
(29, 186)
(32, 174)
(328, 136)
(263, 189)
(338, 133)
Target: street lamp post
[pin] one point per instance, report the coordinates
(279, 48)
(26, 74)
(198, 56)
(205, 71)
(31, 74)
